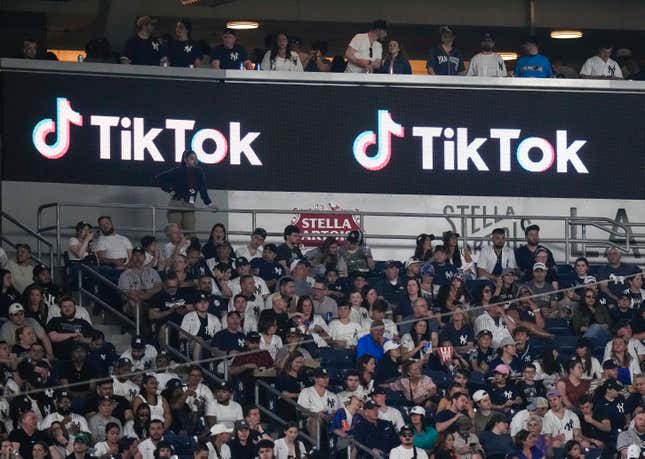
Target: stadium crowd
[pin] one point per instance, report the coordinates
(369, 52)
(447, 355)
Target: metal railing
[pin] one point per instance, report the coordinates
(261, 385)
(98, 277)
(620, 235)
(39, 240)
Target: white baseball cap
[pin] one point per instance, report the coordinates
(390, 345)
(220, 428)
(479, 395)
(418, 410)
(16, 307)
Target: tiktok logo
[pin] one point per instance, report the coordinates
(65, 115)
(461, 152)
(386, 128)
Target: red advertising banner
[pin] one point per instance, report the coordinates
(313, 222)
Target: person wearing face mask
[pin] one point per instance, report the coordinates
(487, 62)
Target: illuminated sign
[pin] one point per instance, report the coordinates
(94, 129)
(464, 151)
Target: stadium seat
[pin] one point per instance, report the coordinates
(558, 326)
(567, 345)
(564, 269)
(336, 358)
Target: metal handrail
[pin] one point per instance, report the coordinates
(204, 345)
(33, 234)
(177, 353)
(305, 412)
(108, 283)
(622, 230)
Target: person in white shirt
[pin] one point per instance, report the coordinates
(487, 63)
(79, 245)
(3, 259)
(365, 52)
(121, 384)
(406, 450)
(319, 400)
(177, 243)
(220, 436)
(243, 268)
(226, 410)
(199, 394)
(163, 362)
(112, 249)
(343, 331)
(64, 412)
(602, 65)
(81, 313)
(281, 57)
(387, 413)
(560, 423)
(497, 322)
(635, 347)
(155, 435)
(289, 446)
(494, 258)
(352, 387)
(141, 355)
(269, 340)
(22, 268)
(255, 246)
(200, 322)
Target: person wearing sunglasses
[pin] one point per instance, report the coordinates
(365, 52)
(406, 449)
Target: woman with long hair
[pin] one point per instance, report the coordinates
(290, 382)
(416, 387)
(549, 368)
(40, 451)
(445, 448)
(366, 366)
(183, 183)
(423, 250)
(628, 366)
(371, 297)
(34, 303)
(216, 236)
(591, 368)
(313, 324)
(289, 447)
(180, 268)
(281, 57)
(395, 61)
(269, 340)
(591, 318)
(461, 260)
(525, 446)
(459, 331)
(137, 427)
(326, 257)
(573, 450)
(159, 408)
(572, 387)
(406, 302)
(425, 436)
(8, 293)
(111, 444)
(418, 343)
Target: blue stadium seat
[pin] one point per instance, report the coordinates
(567, 345)
(336, 358)
(594, 269)
(564, 269)
(441, 379)
(558, 326)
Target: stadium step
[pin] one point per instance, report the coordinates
(112, 332)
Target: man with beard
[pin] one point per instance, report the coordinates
(74, 423)
(487, 63)
(112, 249)
(66, 330)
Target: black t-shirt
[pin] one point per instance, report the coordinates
(612, 410)
(267, 270)
(239, 451)
(147, 51)
(529, 392)
(164, 301)
(27, 442)
(482, 356)
(228, 341)
(82, 375)
(288, 254)
(500, 395)
(183, 53)
(229, 59)
(63, 349)
(7, 298)
(447, 415)
(457, 337)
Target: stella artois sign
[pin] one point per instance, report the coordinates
(314, 222)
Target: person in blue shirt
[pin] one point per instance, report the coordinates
(445, 59)
(229, 55)
(443, 271)
(372, 344)
(267, 267)
(525, 446)
(532, 64)
(143, 48)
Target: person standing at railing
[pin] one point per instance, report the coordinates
(364, 53)
(444, 58)
(182, 51)
(143, 48)
(183, 183)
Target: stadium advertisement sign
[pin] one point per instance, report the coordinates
(268, 137)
